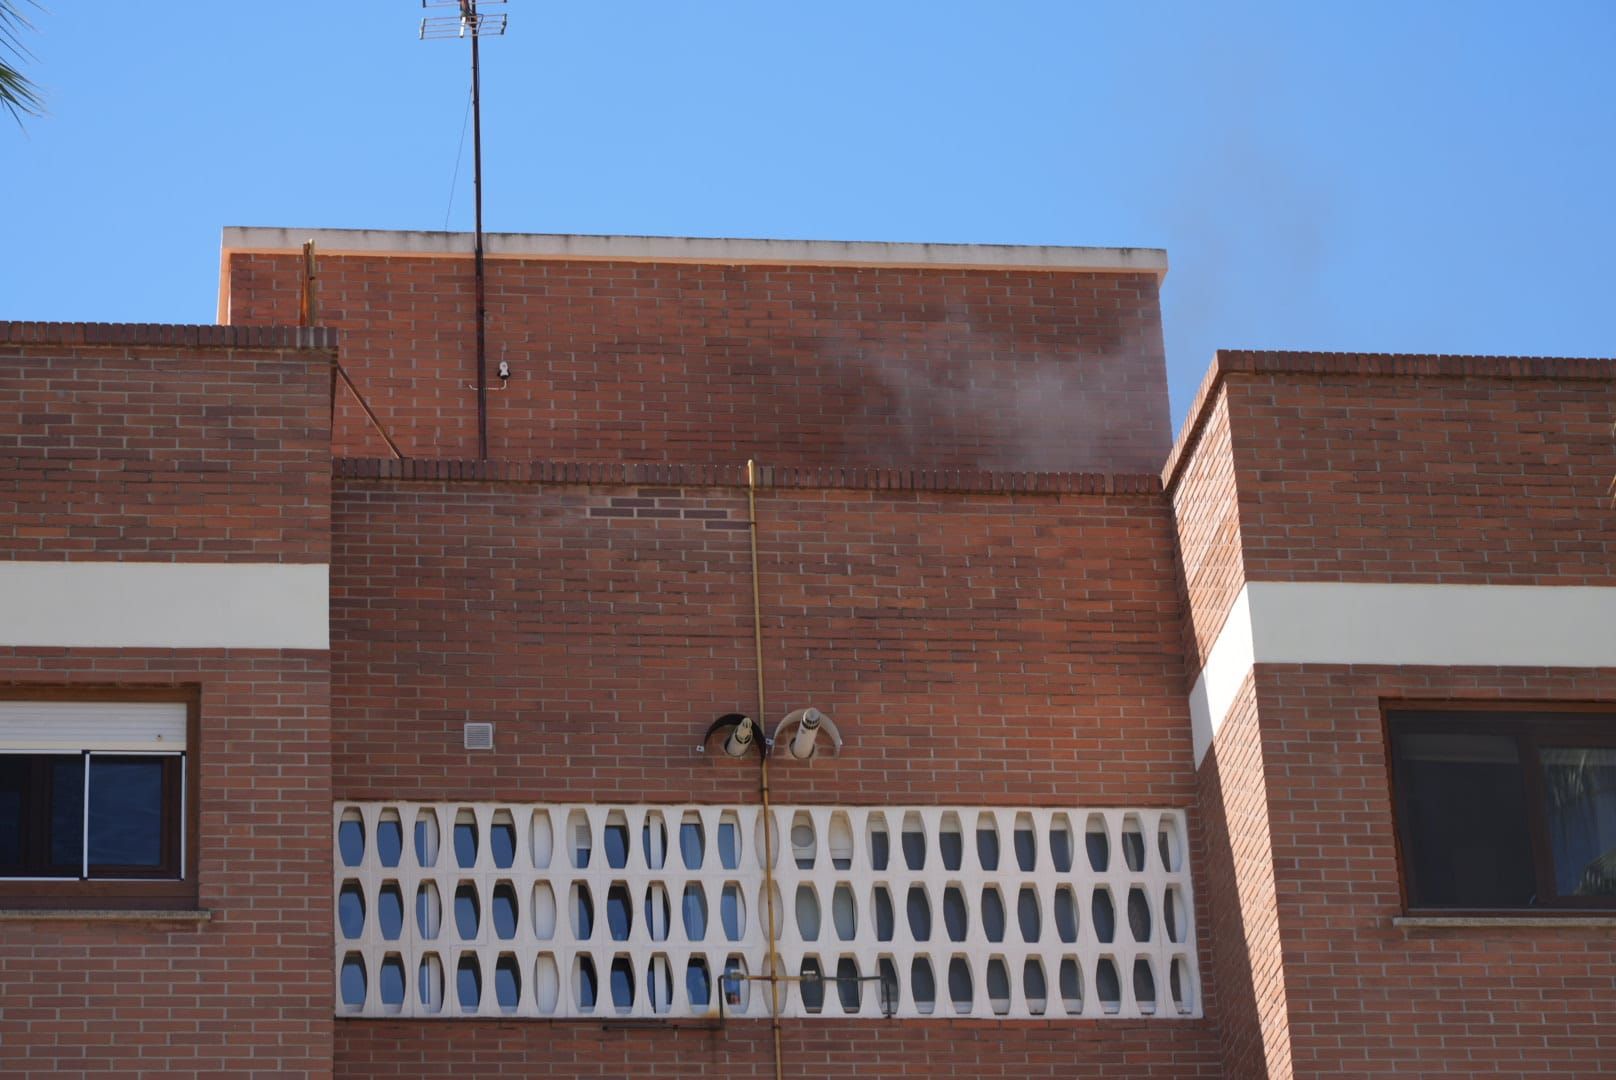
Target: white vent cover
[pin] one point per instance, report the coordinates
(479, 736)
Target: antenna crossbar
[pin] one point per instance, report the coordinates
(457, 26)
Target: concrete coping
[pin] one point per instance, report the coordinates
(692, 249)
(1510, 922)
(668, 475)
(15, 335)
(180, 915)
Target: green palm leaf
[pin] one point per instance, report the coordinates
(18, 95)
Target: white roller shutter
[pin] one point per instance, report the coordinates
(92, 725)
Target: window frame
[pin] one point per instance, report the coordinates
(1533, 725)
(118, 888)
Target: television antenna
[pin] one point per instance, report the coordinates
(474, 24)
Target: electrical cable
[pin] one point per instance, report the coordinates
(460, 153)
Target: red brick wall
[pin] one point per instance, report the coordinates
(971, 645)
(202, 444)
(1369, 999)
(249, 991)
(164, 443)
(1206, 517)
(974, 647)
(1381, 469)
(711, 364)
(1492, 478)
(811, 1049)
(1249, 970)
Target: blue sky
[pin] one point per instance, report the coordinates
(1373, 176)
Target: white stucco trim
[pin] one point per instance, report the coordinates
(1227, 663)
(1336, 622)
(165, 605)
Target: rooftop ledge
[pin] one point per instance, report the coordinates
(690, 249)
(669, 475)
(1259, 362)
(167, 336)
(180, 915)
(1519, 921)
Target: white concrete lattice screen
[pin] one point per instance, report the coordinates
(492, 910)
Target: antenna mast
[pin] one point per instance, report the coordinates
(473, 24)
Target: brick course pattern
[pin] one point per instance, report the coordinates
(248, 992)
(1250, 971)
(974, 647)
(140, 443)
(1481, 481)
(1206, 516)
(1389, 469)
(982, 632)
(1459, 470)
(1367, 998)
(182, 444)
(820, 1049)
(602, 626)
(709, 364)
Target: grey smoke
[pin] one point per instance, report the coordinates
(1041, 407)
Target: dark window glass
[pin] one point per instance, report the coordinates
(67, 815)
(586, 983)
(880, 849)
(13, 796)
(622, 976)
(469, 981)
(1579, 789)
(503, 838)
(1505, 809)
(616, 846)
(465, 844)
(126, 811)
(1464, 820)
(812, 984)
(41, 815)
(698, 983)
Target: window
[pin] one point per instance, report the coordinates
(1505, 808)
(97, 797)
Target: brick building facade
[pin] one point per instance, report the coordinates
(1141, 758)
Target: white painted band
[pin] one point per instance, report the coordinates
(165, 605)
(1335, 622)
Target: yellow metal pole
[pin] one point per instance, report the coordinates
(768, 815)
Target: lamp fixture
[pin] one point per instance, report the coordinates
(802, 726)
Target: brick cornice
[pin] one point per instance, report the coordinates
(652, 474)
(167, 335)
(1229, 362)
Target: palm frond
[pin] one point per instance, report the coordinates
(18, 94)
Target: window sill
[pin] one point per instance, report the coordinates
(192, 915)
(1522, 922)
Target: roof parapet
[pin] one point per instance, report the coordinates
(733, 252)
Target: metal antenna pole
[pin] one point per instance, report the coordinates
(474, 24)
(468, 12)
